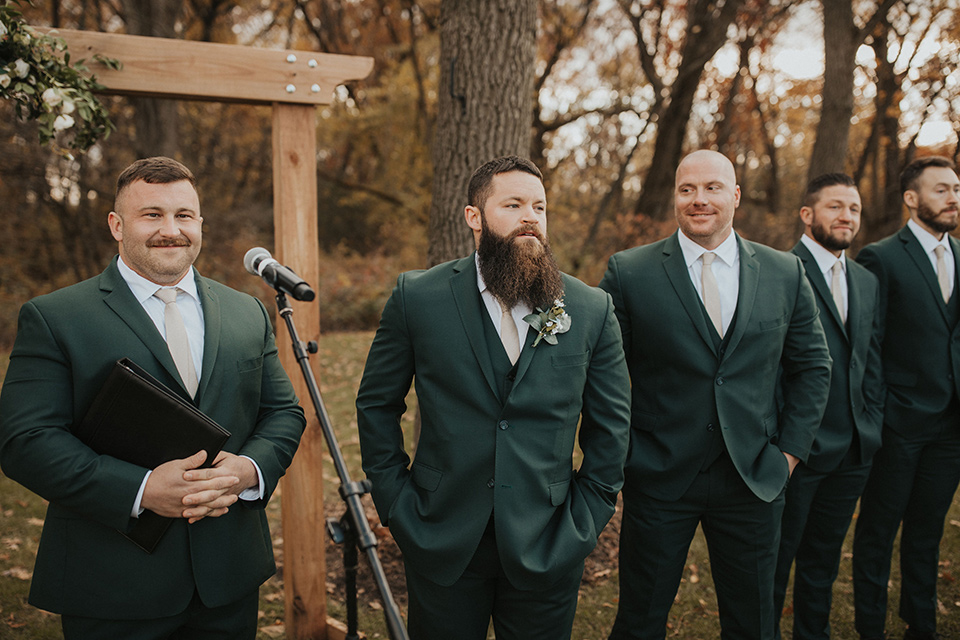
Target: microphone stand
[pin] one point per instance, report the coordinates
(352, 531)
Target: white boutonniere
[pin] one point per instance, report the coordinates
(549, 324)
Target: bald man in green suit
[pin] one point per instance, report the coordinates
(202, 579)
(823, 492)
(492, 517)
(916, 471)
(707, 319)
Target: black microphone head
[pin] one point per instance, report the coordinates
(253, 258)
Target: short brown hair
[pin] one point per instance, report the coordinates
(911, 173)
(480, 182)
(155, 170)
(823, 181)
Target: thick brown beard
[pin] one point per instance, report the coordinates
(929, 216)
(519, 271)
(822, 235)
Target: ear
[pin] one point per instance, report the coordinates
(115, 222)
(806, 216)
(911, 198)
(473, 217)
(736, 197)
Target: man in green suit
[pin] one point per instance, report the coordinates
(707, 319)
(823, 491)
(916, 471)
(490, 518)
(213, 346)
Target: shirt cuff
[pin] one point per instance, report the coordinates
(253, 493)
(137, 509)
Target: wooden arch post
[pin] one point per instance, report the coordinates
(294, 83)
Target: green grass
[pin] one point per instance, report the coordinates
(340, 365)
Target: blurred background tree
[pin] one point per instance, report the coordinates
(616, 92)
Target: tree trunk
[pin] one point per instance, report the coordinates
(706, 33)
(155, 121)
(833, 131)
(485, 105)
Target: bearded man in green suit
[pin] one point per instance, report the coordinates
(823, 492)
(708, 318)
(491, 520)
(202, 579)
(916, 471)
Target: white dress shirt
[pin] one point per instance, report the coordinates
(825, 261)
(493, 308)
(726, 270)
(929, 241)
(188, 302)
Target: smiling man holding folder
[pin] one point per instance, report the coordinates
(214, 347)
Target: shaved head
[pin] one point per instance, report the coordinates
(718, 163)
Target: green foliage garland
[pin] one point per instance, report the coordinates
(36, 74)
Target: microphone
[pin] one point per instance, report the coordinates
(259, 262)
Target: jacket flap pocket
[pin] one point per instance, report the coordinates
(426, 477)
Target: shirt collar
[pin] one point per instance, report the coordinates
(481, 285)
(144, 289)
(727, 251)
(825, 260)
(927, 240)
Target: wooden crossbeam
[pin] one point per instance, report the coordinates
(190, 70)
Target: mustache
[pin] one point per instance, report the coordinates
(529, 228)
(176, 242)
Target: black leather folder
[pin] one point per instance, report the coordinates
(137, 419)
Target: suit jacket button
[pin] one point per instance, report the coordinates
(490, 483)
(853, 364)
(710, 427)
(503, 424)
(719, 381)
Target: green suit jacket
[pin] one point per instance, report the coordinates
(920, 348)
(684, 389)
(480, 453)
(67, 343)
(855, 404)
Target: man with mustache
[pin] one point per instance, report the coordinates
(916, 471)
(707, 319)
(209, 344)
(508, 355)
(823, 491)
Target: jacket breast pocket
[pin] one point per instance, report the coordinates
(773, 323)
(570, 359)
(250, 364)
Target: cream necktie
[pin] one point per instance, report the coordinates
(942, 277)
(508, 334)
(837, 290)
(711, 293)
(177, 340)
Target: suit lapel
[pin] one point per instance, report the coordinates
(463, 284)
(120, 299)
(528, 352)
(915, 250)
(749, 279)
(854, 295)
(679, 276)
(815, 277)
(211, 331)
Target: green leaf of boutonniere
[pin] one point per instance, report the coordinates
(550, 323)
